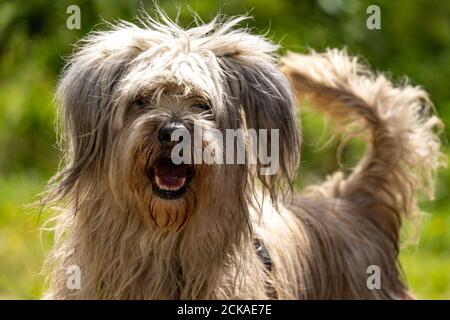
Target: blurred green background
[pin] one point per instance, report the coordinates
(414, 40)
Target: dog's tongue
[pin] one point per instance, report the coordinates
(168, 175)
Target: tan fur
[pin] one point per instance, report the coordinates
(131, 245)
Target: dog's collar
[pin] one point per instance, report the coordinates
(264, 257)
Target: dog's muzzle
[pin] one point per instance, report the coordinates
(169, 180)
(165, 133)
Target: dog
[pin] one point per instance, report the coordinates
(139, 226)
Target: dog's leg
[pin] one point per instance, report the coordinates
(403, 154)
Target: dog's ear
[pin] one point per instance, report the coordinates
(255, 84)
(85, 97)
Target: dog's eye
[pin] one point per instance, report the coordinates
(202, 107)
(141, 102)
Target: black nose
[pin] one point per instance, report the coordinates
(165, 133)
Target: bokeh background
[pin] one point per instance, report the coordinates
(414, 40)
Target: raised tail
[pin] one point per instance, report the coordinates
(404, 150)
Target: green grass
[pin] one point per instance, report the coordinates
(427, 273)
(21, 248)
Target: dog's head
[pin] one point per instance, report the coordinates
(126, 91)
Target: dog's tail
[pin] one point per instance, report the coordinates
(404, 151)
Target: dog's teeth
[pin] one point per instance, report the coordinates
(165, 187)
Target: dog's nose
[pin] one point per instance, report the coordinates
(165, 133)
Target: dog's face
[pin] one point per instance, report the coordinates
(126, 91)
(164, 193)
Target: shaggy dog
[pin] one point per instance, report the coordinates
(140, 226)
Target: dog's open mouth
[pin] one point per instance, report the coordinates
(169, 180)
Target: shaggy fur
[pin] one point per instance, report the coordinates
(121, 86)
